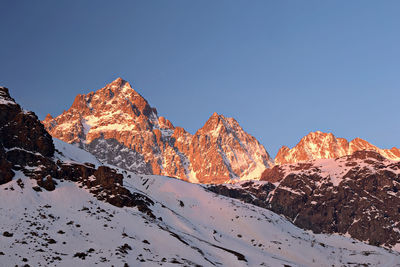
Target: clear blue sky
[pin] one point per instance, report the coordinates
(281, 68)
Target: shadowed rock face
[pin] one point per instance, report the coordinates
(356, 195)
(6, 172)
(319, 145)
(26, 146)
(20, 131)
(116, 117)
(115, 153)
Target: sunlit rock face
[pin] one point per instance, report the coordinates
(120, 127)
(319, 145)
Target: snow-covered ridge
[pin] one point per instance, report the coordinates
(334, 170)
(319, 145)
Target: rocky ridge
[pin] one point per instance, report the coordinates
(319, 145)
(25, 146)
(355, 195)
(116, 118)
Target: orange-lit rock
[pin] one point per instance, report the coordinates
(319, 145)
(216, 153)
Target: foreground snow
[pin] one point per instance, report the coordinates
(69, 227)
(193, 227)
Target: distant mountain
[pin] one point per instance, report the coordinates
(319, 145)
(119, 127)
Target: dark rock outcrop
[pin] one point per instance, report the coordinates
(249, 192)
(26, 146)
(22, 129)
(356, 195)
(23, 139)
(6, 172)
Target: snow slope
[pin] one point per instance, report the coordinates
(193, 227)
(71, 153)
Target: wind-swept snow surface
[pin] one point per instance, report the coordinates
(68, 227)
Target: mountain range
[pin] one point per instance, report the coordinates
(97, 185)
(118, 126)
(116, 118)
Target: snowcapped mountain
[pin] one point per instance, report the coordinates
(356, 195)
(187, 226)
(60, 206)
(319, 145)
(119, 127)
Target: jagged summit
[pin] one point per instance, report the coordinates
(119, 81)
(117, 118)
(120, 84)
(213, 122)
(215, 114)
(48, 117)
(320, 145)
(218, 122)
(5, 98)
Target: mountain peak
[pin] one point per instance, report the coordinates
(215, 122)
(117, 116)
(48, 117)
(215, 114)
(4, 91)
(318, 134)
(320, 145)
(216, 117)
(118, 81)
(5, 98)
(119, 84)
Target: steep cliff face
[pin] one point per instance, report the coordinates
(23, 139)
(21, 129)
(120, 127)
(233, 152)
(319, 145)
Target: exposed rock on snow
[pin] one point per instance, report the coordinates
(356, 195)
(26, 146)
